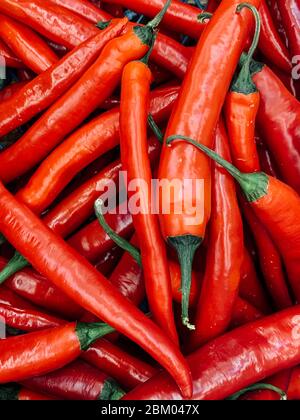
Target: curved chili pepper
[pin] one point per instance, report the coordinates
(281, 134)
(234, 361)
(11, 90)
(43, 90)
(41, 352)
(52, 257)
(84, 9)
(10, 59)
(289, 10)
(186, 231)
(77, 381)
(277, 18)
(83, 147)
(135, 92)
(21, 315)
(294, 385)
(276, 206)
(224, 259)
(27, 45)
(270, 42)
(18, 393)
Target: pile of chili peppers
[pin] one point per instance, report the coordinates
(198, 296)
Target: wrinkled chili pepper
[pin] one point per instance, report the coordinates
(52, 257)
(234, 361)
(76, 381)
(28, 46)
(181, 162)
(43, 90)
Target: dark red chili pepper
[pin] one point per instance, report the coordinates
(294, 385)
(10, 59)
(84, 8)
(134, 111)
(277, 18)
(40, 352)
(18, 393)
(185, 231)
(280, 381)
(42, 92)
(52, 257)
(290, 11)
(11, 90)
(244, 313)
(267, 163)
(19, 314)
(77, 381)
(108, 261)
(224, 258)
(234, 361)
(282, 135)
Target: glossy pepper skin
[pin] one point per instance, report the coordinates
(52, 257)
(10, 59)
(43, 90)
(135, 91)
(97, 84)
(289, 10)
(81, 148)
(40, 352)
(224, 259)
(11, 90)
(76, 381)
(186, 231)
(27, 45)
(282, 135)
(234, 361)
(84, 8)
(23, 316)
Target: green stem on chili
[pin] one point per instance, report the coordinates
(259, 387)
(156, 130)
(17, 263)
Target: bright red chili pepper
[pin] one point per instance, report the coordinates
(19, 314)
(282, 135)
(294, 385)
(186, 231)
(10, 59)
(18, 393)
(280, 380)
(43, 351)
(45, 89)
(224, 258)
(267, 163)
(77, 381)
(84, 9)
(290, 11)
(52, 257)
(27, 45)
(236, 360)
(11, 90)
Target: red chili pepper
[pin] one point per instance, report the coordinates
(280, 381)
(135, 93)
(294, 385)
(45, 89)
(270, 42)
(277, 17)
(212, 6)
(77, 381)
(244, 313)
(10, 59)
(267, 163)
(224, 259)
(186, 231)
(75, 276)
(234, 361)
(108, 261)
(84, 8)
(11, 90)
(196, 282)
(40, 352)
(27, 45)
(290, 10)
(19, 314)
(18, 393)
(281, 134)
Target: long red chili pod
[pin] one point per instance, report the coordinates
(290, 10)
(224, 258)
(277, 18)
(281, 134)
(135, 91)
(234, 361)
(277, 207)
(41, 352)
(19, 314)
(52, 257)
(270, 42)
(18, 393)
(27, 45)
(185, 231)
(83, 8)
(10, 59)
(77, 381)
(43, 90)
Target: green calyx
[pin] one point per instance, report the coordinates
(156, 130)
(243, 83)
(147, 32)
(111, 391)
(259, 387)
(121, 242)
(103, 25)
(9, 392)
(89, 333)
(254, 185)
(17, 263)
(186, 246)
